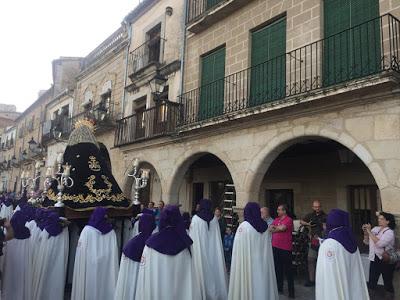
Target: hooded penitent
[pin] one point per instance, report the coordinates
(94, 184)
(338, 228)
(253, 216)
(172, 237)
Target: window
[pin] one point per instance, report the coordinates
(268, 72)
(154, 44)
(349, 54)
(212, 84)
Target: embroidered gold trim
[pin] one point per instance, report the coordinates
(97, 195)
(94, 165)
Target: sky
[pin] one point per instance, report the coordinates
(35, 32)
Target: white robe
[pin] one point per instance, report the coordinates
(17, 280)
(340, 274)
(252, 274)
(208, 259)
(6, 212)
(51, 266)
(127, 278)
(35, 244)
(166, 277)
(96, 265)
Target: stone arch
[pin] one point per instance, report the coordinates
(183, 164)
(155, 181)
(262, 161)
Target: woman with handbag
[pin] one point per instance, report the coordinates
(380, 239)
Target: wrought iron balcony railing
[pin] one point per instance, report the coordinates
(56, 129)
(153, 122)
(148, 53)
(363, 50)
(102, 115)
(197, 8)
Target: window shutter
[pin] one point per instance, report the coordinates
(353, 53)
(268, 73)
(212, 84)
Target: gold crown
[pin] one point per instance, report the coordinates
(85, 122)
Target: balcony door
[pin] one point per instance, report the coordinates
(212, 84)
(154, 44)
(268, 70)
(352, 40)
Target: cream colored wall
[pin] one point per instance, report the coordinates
(65, 100)
(114, 70)
(171, 27)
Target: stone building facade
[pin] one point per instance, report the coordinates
(278, 101)
(262, 100)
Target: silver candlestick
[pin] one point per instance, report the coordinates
(30, 181)
(141, 177)
(63, 178)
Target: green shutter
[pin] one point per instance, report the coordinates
(366, 37)
(268, 72)
(349, 54)
(212, 84)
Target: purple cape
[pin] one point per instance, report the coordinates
(40, 217)
(52, 224)
(98, 220)
(186, 219)
(339, 229)
(134, 248)
(29, 211)
(252, 215)
(205, 211)
(172, 237)
(18, 221)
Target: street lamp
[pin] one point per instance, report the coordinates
(157, 85)
(140, 177)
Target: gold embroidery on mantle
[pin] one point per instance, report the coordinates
(97, 195)
(94, 165)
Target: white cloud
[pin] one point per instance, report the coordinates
(33, 33)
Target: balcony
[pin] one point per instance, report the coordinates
(56, 129)
(154, 122)
(349, 56)
(201, 14)
(150, 53)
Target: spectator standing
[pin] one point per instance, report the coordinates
(380, 239)
(282, 228)
(221, 221)
(315, 222)
(158, 211)
(228, 246)
(265, 215)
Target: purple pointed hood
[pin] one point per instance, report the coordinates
(252, 215)
(52, 224)
(8, 200)
(23, 200)
(134, 248)
(338, 228)
(172, 237)
(99, 221)
(205, 211)
(18, 221)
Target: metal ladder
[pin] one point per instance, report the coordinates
(229, 202)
